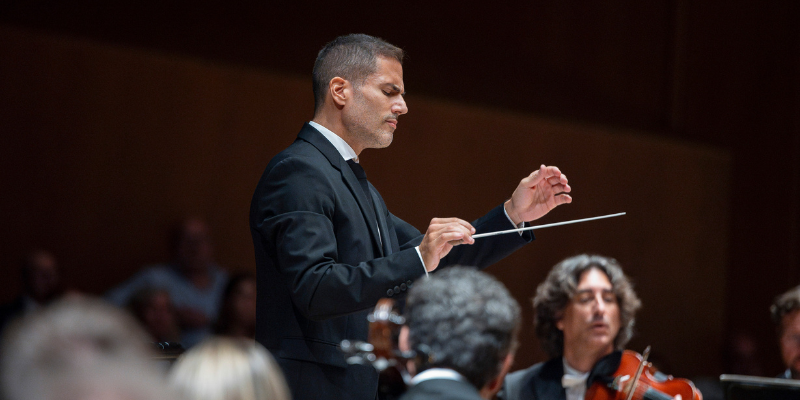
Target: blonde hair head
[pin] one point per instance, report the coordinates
(229, 369)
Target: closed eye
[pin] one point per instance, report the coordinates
(393, 90)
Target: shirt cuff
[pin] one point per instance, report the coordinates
(423, 262)
(521, 224)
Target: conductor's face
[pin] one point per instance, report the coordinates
(591, 319)
(371, 116)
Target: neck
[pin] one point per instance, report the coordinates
(584, 360)
(335, 125)
(490, 389)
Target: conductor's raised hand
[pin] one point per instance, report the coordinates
(441, 236)
(537, 194)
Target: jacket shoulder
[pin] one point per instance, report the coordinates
(522, 384)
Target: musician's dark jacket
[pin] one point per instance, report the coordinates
(321, 265)
(543, 381)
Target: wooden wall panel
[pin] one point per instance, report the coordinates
(103, 147)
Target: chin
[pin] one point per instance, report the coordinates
(385, 140)
(602, 342)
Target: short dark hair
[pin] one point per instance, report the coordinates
(785, 304)
(468, 321)
(352, 57)
(555, 293)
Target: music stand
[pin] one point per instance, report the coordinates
(743, 387)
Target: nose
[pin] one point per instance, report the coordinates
(600, 304)
(400, 107)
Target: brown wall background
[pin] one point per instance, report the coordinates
(105, 146)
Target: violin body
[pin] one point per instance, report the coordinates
(381, 351)
(650, 386)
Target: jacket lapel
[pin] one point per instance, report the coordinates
(548, 383)
(311, 135)
(383, 225)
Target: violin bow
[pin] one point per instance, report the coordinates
(638, 373)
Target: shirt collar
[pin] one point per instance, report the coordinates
(437, 373)
(572, 371)
(341, 146)
(573, 382)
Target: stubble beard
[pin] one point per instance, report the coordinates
(360, 125)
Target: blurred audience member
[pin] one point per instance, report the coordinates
(237, 315)
(742, 356)
(41, 284)
(109, 383)
(154, 310)
(786, 315)
(78, 348)
(194, 281)
(229, 369)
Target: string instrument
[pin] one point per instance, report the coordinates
(637, 379)
(381, 350)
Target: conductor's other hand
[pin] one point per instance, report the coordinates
(441, 236)
(537, 194)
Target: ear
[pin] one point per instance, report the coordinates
(402, 339)
(560, 324)
(339, 89)
(403, 345)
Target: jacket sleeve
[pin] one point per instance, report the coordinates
(318, 251)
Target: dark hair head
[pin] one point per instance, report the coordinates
(351, 57)
(467, 319)
(228, 317)
(785, 304)
(553, 295)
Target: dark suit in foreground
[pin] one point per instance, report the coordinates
(323, 264)
(543, 381)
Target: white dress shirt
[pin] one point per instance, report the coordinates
(574, 382)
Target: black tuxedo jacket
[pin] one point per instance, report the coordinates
(322, 264)
(543, 381)
(442, 389)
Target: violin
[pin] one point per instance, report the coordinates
(637, 379)
(382, 352)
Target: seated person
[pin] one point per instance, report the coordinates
(585, 312)
(194, 281)
(466, 323)
(786, 315)
(41, 284)
(78, 348)
(237, 315)
(154, 310)
(229, 369)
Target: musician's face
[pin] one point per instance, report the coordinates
(370, 116)
(790, 342)
(591, 319)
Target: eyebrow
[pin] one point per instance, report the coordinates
(604, 290)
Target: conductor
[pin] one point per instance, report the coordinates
(326, 247)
